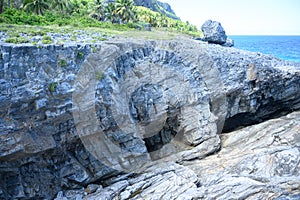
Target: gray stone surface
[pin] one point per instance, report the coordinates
(257, 86)
(229, 43)
(42, 152)
(157, 181)
(258, 162)
(214, 32)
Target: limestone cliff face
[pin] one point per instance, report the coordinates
(80, 114)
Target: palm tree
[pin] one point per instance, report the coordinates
(36, 6)
(163, 20)
(61, 5)
(109, 13)
(7, 4)
(145, 18)
(97, 10)
(125, 10)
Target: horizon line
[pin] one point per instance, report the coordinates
(263, 35)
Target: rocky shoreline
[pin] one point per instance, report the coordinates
(44, 154)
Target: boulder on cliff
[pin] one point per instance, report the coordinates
(215, 33)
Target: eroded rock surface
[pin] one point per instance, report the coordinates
(258, 87)
(50, 120)
(258, 162)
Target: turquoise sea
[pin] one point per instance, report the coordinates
(284, 47)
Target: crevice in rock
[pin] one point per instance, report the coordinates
(167, 133)
(273, 110)
(143, 102)
(165, 136)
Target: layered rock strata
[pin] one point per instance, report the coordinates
(134, 102)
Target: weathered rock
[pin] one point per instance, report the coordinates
(214, 32)
(144, 26)
(257, 86)
(147, 27)
(92, 188)
(229, 43)
(157, 181)
(177, 116)
(158, 111)
(258, 162)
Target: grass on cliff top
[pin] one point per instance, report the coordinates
(18, 23)
(15, 32)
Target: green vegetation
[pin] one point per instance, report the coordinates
(94, 49)
(63, 63)
(159, 20)
(16, 40)
(124, 10)
(52, 87)
(36, 6)
(80, 55)
(46, 39)
(112, 18)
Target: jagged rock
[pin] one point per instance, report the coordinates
(257, 86)
(257, 162)
(157, 181)
(145, 26)
(214, 32)
(92, 188)
(178, 116)
(200, 39)
(229, 43)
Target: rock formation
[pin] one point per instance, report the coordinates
(229, 43)
(215, 33)
(257, 162)
(96, 121)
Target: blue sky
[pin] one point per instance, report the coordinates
(243, 17)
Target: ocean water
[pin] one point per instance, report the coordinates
(284, 47)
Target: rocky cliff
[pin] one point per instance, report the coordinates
(147, 119)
